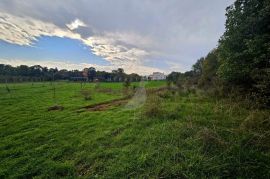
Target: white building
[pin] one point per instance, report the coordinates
(157, 76)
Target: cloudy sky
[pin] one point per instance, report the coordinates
(140, 36)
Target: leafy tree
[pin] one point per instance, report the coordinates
(127, 83)
(174, 76)
(91, 73)
(209, 69)
(245, 45)
(38, 73)
(197, 67)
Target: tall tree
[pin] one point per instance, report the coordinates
(197, 67)
(92, 73)
(209, 69)
(245, 45)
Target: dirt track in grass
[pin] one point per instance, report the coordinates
(114, 103)
(107, 105)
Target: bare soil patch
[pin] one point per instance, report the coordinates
(56, 108)
(107, 105)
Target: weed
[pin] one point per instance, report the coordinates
(153, 107)
(165, 94)
(211, 140)
(86, 94)
(257, 121)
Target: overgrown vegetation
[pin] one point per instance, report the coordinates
(86, 94)
(210, 122)
(174, 135)
(240, 64)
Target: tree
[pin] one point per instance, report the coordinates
(91, 73)
(245, 45)
(120, 70)
(197, 67)
(127, 83)
(23, 70)
(174, 76)
(37, 72)
(209, 69)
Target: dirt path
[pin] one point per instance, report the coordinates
(114, 103)
(108, 104)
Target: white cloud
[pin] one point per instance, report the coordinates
(76, 24)
(25, 30)
(173, 66)
(115, 50)
(125, 33)
(119, 49)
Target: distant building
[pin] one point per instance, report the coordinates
(157, 76)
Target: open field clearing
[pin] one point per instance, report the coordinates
(90, 131)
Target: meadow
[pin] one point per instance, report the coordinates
(73, 130)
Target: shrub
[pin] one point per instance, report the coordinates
(127, 83)
(153, 107)
(86, 94)
(211, 141)
(169, 84)
(256, 129)
(97, 85)
(257, 121)
(172, 114)
(7, 88)
(165, 94)
(260, 92)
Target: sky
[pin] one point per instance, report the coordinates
(140, 36)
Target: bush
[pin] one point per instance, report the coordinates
(256, 128)
(257, 121)
(211, 141)
(97, 85)
(260, 92)
(165, 94)
(127, 83)
(86, 94)
(8, 89)
(153, 107)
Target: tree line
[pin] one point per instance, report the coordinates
(241, 62)
(23, 73)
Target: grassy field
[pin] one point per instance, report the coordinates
(173, 135)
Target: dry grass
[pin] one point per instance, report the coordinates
(211, 140)
(257, 121)
(153, 107)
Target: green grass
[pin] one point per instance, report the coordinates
(191, 135)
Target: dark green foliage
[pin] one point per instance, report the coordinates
(38, 73)
(240, 64)
(210, 66)
(245, 45)
(197, 68)
(260, 88)
(91, 73)
(127, 83)
(245, 49)
(173, 77)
